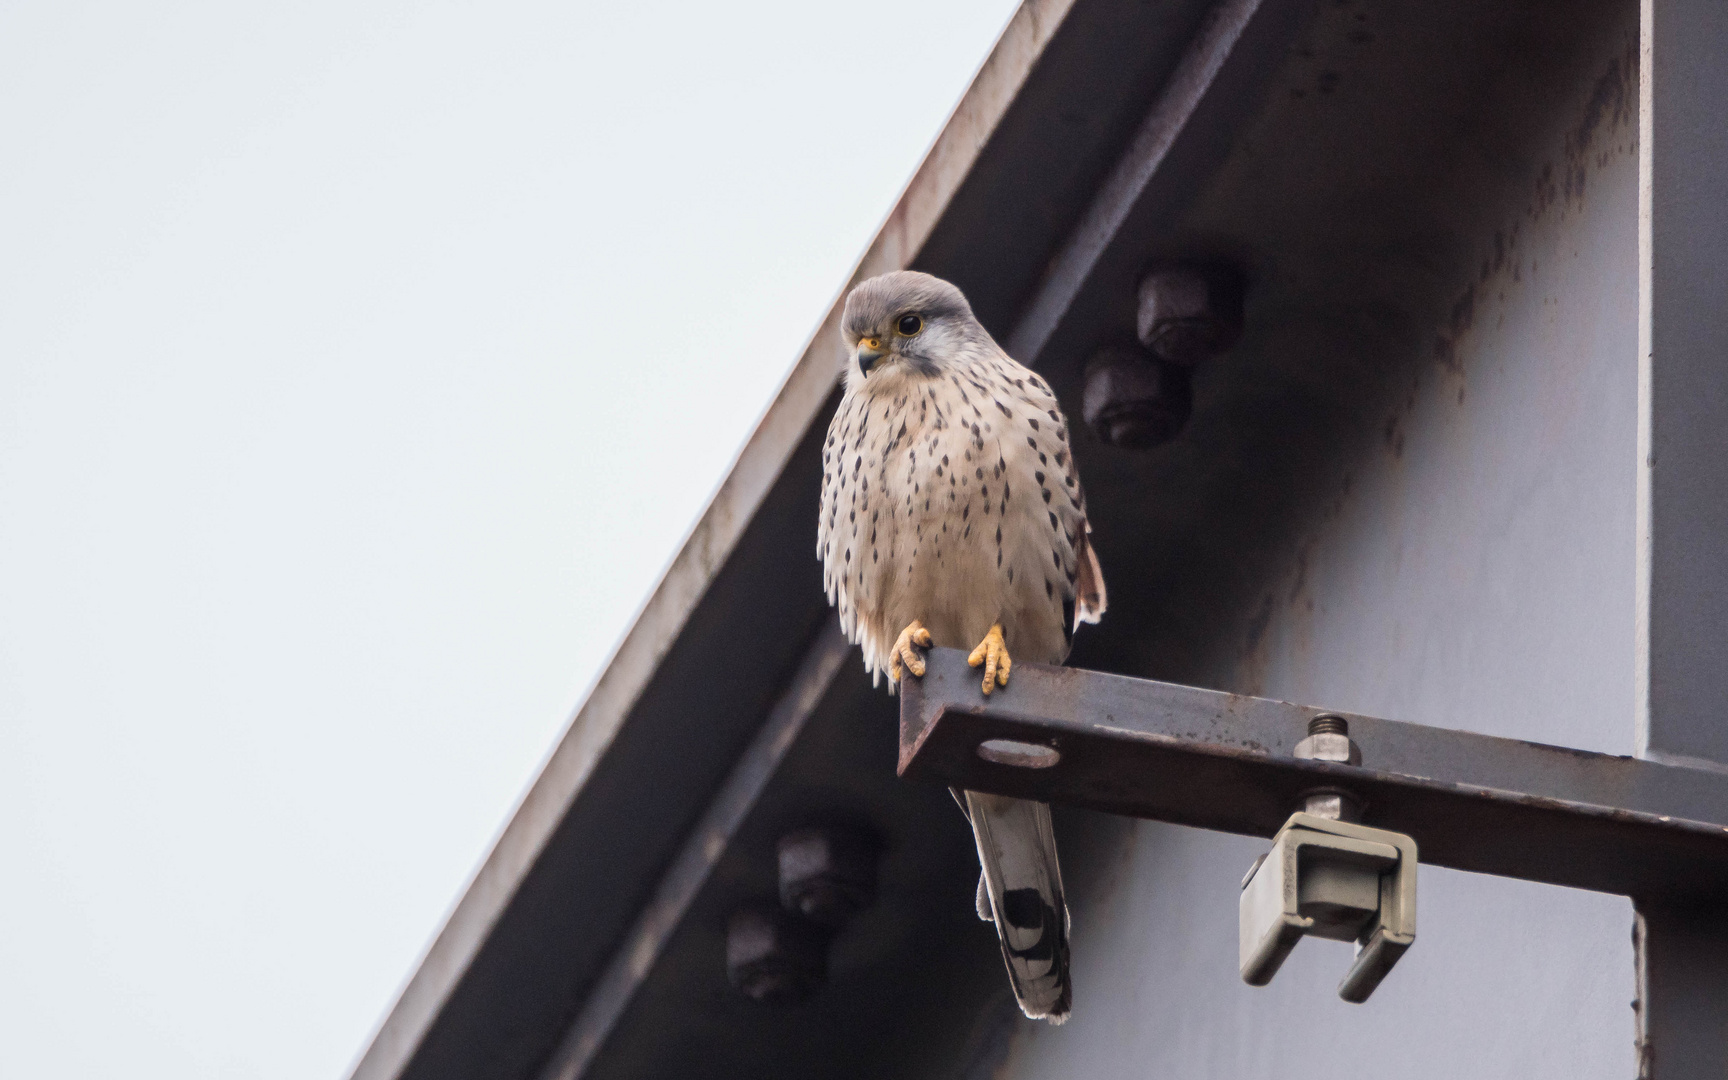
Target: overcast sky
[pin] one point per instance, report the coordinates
(361, 366)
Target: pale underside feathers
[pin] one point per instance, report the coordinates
(950, 494)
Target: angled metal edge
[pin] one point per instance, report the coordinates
(1127, 183)
(696, 860)
(661, 618)
(1182, 139)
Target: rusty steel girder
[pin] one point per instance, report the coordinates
(1655, 832)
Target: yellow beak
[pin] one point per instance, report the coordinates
(870, 350)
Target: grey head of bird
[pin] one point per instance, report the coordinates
(908, 324)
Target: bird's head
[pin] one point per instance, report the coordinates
(907, 323)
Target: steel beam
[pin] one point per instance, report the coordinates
(1682, 565)
(1653, 831)
(695, 862)
(1183, 137)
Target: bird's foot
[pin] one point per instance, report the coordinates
(905, 656)
(992, 652)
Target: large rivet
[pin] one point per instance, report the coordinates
(827, 875)
(1189, 313)
(1134, 399)
(775, 956)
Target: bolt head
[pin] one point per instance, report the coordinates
(827, 875)
(773, 956)
(1190, 313)
(1133, 399)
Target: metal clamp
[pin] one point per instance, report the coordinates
(1330, 878)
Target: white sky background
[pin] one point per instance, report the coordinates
(361, 366)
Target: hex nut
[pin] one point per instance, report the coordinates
(1189, 313)
(1329, 740)
(773, 956)
(827, 875)
(1132, 399)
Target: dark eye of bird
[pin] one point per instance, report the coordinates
(910, 324)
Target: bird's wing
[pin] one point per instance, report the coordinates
(1018, 852)
(1090, 599)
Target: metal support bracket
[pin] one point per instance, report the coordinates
(1330, 879)
(1652, 831)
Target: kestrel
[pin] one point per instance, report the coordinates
(952, 515)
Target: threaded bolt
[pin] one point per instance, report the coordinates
(1328, 724)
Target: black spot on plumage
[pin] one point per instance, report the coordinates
(1005, 493)
(1046, 494)
(1004, 408)
(1049, 589)
(978, 472)
(1054, 419)
(1056, 557)
(1061, 456)
(1034, 422)
(967, 534)
(1038, 476)
(999, 534)
(1033, 443)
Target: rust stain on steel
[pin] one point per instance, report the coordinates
(1167, 752)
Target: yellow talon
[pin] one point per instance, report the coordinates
(904, 656)
(992, 652)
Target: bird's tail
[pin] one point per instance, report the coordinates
(1017, 850)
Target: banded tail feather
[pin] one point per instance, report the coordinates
(1023, 882)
